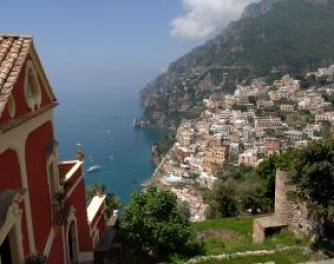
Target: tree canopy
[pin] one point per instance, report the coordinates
(242, 189)
(154, 220)
(312, 172)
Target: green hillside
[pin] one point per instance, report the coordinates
(292, 37)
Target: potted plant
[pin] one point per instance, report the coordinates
(37, 258)
(60, 196)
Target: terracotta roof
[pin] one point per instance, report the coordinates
(14, 50)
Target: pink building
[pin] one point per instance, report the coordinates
(42, 200)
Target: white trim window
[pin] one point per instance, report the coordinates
(11, 106)
(32, 88)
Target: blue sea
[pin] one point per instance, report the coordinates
(100, 120)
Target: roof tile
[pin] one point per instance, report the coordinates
(13, 53)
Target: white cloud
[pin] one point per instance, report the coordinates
(203, 18)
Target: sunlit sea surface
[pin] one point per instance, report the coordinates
(100, 120)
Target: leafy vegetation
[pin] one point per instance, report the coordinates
(271, 40)
(243, 189)
(312, 81)
(230, 170)
(154, 220)
(326, 131)
(311, 171)
(161, 148)
(299, 119)
(229, 235)
(236, 236)
(241, 225)
(329, 98)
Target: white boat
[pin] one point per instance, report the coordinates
(94, 169)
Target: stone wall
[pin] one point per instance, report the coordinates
(302, 223)
(283, 207)
(295, 214)
(259, 234)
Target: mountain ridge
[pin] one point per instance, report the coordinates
(270, 36)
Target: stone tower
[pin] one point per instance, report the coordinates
(283, 207)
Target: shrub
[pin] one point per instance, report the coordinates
(154, 220)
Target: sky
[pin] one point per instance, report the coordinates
(117, 43)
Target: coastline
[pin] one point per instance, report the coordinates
(187, 193)
(124, 153)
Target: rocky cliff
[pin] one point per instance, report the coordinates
(271, 37)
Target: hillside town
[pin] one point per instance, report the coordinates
(254, 123)
(225, 157)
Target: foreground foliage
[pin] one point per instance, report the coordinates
(230, 235)
(241, 189)
(161, 148)
(311, 171)
(154, 220)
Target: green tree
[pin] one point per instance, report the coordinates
(267, 172)
(311, 171)
(242, 188)
(231, 197)
(223, 199)
(153, 219)
(161, 148)
(326, 131)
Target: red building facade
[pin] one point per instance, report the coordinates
(42, 200)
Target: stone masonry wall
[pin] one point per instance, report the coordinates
(258, 232)
(302, 222)
(283, 207)
(296, 215)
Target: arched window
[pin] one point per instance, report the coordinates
(52, 168)
(32, 89)
(11, 106)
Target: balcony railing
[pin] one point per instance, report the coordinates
(69, 173)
